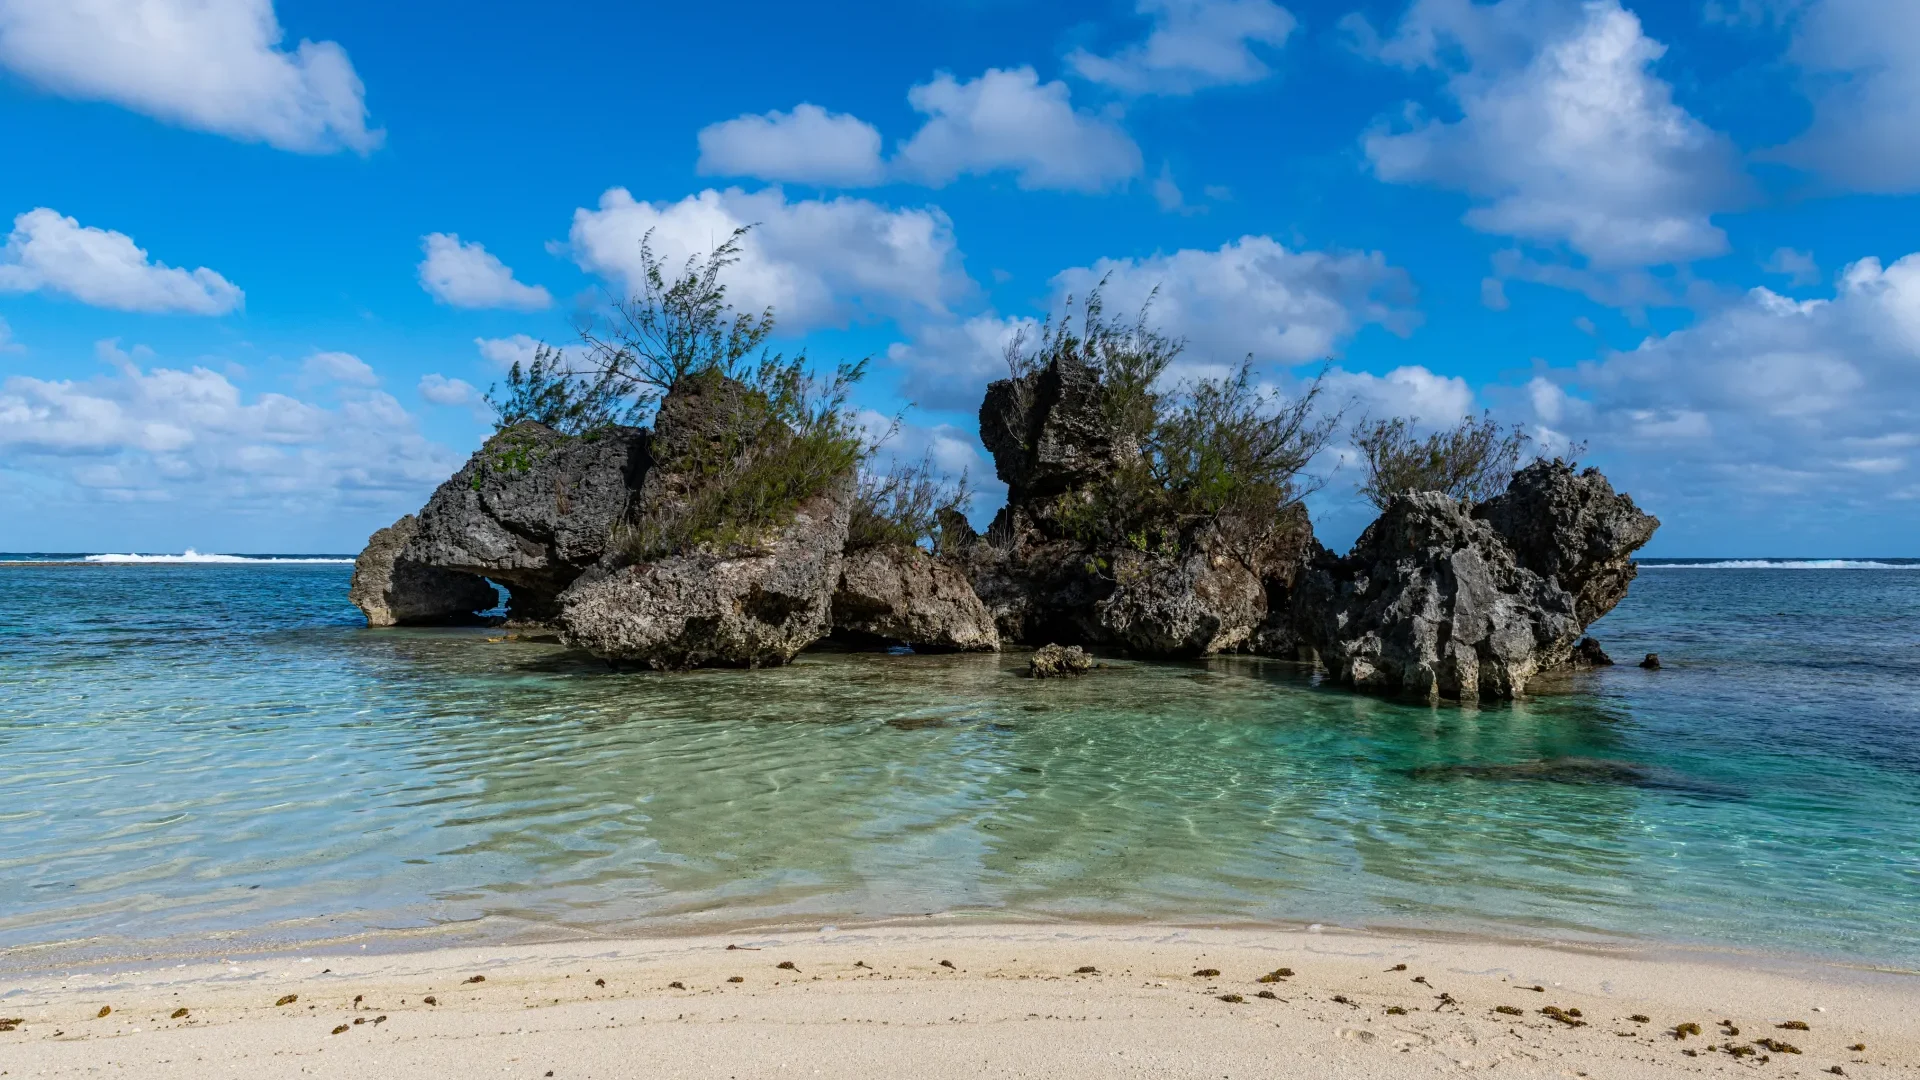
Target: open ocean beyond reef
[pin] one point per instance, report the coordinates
(203, 755)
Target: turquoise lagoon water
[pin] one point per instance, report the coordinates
(205, 755)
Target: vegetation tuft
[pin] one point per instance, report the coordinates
(547, 391)
(1471, 461)
(902, 506)
(1205, 451)
(785, 437)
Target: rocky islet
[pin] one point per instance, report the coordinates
(1437, 599)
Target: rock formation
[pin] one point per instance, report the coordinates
(532, 510)
(1058, 661)
(658, 549)
(903, 595)
(1440, 601)
(751, 608)
(392, 591)
(1051, 568)
(685, 591)
(1431, 603)
(1574, 529)
(1588, 653)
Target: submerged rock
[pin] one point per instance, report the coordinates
(1056, 661)
(1431, 602)
(1578, 770)
(907, 596)
(1569, 770)
(393, 591)
(1588, 653)
(532, 510)
(1652, 662)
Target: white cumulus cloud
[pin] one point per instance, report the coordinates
(468, 276)
(1010, 121)
(442, 390)
(948, 365)
(1254, 296)
(1194, 44)
(808, 145)
(1770, 397)
(816, 262)
(212, 65)
(192, 437)
(49, 251)
(339, 367)
(1566, 136)
(1862, 61)
(1412, 391)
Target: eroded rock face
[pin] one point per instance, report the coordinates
(1049, 570)
(532, 510)
(1432, 602)
(910, 597)
(1187, 606)
(679, 598)
(391, 591)
(1046, 431)
(703, 608)
(1574, 529)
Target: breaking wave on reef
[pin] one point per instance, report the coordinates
(192, 556)
(1782, 564)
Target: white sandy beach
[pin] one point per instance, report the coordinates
(1015, 1002)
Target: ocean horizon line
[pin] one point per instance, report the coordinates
(192, 556)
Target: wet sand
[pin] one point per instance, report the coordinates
(1016, 1001)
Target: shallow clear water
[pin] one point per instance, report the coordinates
(192, 750)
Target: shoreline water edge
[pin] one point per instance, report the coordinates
(1027, 1001)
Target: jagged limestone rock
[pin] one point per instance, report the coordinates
(683, 591)
(1046, 430)
(1574, 529)
(907, 596)
(532, 510)
(752, 608)
(1431, 602)
(392, 591)
(1050, 569)
(1192, 605)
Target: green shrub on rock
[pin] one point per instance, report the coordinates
(1472, 461)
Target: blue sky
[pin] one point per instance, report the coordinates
(262, 256)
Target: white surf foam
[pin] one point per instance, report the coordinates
(1784, 564)
(192, 556)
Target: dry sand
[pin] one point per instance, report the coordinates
(879, 1002)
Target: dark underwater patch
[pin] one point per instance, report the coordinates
(1577, 770)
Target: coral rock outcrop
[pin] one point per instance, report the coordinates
(392, 591)
(1052, 568)
(903, 595)
(1441, 601)
(684, 591)
(532, 510)
(1572, 527)
(705, 608)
